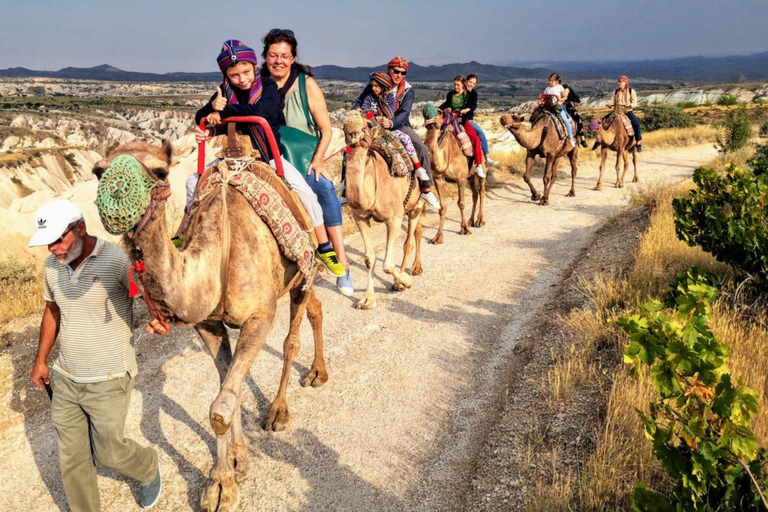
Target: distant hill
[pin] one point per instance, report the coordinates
(701, 69)
(735, 68)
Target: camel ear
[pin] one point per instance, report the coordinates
(99, 167)
(167, 149)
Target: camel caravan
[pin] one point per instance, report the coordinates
(263, 217)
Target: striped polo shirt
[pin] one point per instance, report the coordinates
(96, 335)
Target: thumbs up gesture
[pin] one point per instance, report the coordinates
(220, 101)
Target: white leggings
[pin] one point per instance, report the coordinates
(295, 181)
(298, 183)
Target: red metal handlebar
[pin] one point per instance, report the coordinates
(248, 120)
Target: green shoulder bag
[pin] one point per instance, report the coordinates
(296, 146)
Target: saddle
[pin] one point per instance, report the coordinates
(610, 117)
(389, 147)
(541, 112)
(278, 206)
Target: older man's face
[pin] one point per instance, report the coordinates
(69, 246)
(397, 74)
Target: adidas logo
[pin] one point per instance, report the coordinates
(41, 223)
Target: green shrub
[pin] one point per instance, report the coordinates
(736, 131)
(728, 100)
(700, 421)
(658, 115)
(687, 104)
(728, 217)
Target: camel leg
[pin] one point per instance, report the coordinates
(550, 176)
(464, 223)
(222, 493)
(636, 177)
(603, 157)
(409, 237)
(473, 185)
(416, 269)
(573, 156)
(369, 299)
(440, 187)
(619, 180)
(401, 280)
(625, 159)
(317, 375)
(480, 220)
(278, 416)
(529, 159)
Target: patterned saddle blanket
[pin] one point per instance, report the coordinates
(562, 131)
(272, 200)
(610, 117)
(392, 151)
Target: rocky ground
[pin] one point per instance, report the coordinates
(427, 393)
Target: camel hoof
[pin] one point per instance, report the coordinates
(315, 378)
(221, 495)
(598, 187)
(365, 303)
(437, 240)
(278, 417)
(571, 194)
(478, 223)
(398, 286)
(417, 270)
(535, 197)
(465, 230)
(619, 184)
(544, 202)
(635, 180)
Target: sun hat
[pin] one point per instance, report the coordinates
(52, 219)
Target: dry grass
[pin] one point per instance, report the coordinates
(622, 454)
(21, 289)
(677, 137)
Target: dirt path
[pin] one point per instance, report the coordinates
(412, 385)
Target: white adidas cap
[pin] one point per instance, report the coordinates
(52, 220)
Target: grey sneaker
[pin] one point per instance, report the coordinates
(490, 161)
(431, 199)
(344, 284)
(150, 493)
(480, 171)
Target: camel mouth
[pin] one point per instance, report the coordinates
(123, 195)
(508, 121)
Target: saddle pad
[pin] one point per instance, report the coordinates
(295, 243)
(609, 118)
(392, 151)
(627, 125)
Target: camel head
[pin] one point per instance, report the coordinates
(357, 129)
(432, 116)
(511, 121)
(130, 176)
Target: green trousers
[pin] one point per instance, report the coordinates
(90, 425)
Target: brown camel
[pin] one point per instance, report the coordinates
(449, 162)
(374, 194)
(542, 140)
(190, 287)
(616, 138)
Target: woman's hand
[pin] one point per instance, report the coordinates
(214, 118)
(202, 135)
(220, 101)
(384, 122)
(318, 166)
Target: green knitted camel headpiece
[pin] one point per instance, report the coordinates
(123, 194)
(428, 111)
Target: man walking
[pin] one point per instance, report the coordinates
(88, 309)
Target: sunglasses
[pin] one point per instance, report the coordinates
(65, 233)
(396, 72)
(278, 31)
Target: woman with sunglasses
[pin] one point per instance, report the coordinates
(295, 82)
(458, 102)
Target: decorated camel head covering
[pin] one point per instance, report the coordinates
(398, 62)
(382, 79)
(123, 195)
(234, 51)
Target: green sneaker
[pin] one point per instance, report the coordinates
(331, 262)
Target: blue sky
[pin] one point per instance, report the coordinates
(185, 35)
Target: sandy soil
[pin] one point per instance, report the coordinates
(414, 385)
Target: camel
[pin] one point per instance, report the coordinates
(374, 194)
(449, 162)
(615, 138)
(191, 287)
(542, 140)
